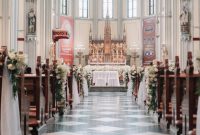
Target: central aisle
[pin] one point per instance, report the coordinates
(105, 114)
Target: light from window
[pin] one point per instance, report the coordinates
(83, 8)
(107, 8)
(64, 7)
(151, 7)
(132, 8)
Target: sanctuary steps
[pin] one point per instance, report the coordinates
(108, 89)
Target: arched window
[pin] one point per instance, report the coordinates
(64, 7)
(107, 8)
(151, 7)
(132, 8)
(83, 8)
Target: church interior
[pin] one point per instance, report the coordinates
(99, 67)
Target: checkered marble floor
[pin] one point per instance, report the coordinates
(105, 114)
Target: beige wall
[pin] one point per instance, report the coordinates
(168, 26)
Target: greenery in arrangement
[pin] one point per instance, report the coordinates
(61, 79)
(151, 73)
(172, 67)
(88, 76)
(78, 74)
(126, 78)
(198, 87)
(140, 71)
(15, 63)
(133, 76)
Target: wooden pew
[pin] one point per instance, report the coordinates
(166, 97)
(136, 86)
(23, 103)
(69, 83)
(3, 54)
(189, 104)
(47, 91)
(180, 81)
(160, 90)
(53, 87)
(33, 84)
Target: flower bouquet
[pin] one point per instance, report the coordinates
(151, 73)
(15, 62)
(172, 67)
(61, 78)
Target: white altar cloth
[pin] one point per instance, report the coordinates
(106, 78)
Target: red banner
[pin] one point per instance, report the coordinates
(149, 40)
(66, 50)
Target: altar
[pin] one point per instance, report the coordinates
(105, 78)
(107, 75)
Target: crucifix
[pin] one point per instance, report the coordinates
(80, 54)
(135, 55)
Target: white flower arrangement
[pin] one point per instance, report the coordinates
(140, 72)
(62, 72)
(172, 67)
(151, 73)
(15, 62)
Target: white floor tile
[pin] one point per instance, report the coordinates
(71, 123)
(106, 129)
(107, 119)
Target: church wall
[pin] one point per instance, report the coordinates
(1, 21)
(196, 31)
(81, 36)
(21, 25)
(5, 23)
(168, 26)
(134, 31)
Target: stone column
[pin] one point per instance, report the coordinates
(119, 21)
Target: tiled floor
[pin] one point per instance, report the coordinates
(105, 114)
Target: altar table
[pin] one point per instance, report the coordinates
(106, 78)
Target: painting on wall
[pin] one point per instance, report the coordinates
(149, 40)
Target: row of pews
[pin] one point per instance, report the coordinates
(177, 100)
(37, 101)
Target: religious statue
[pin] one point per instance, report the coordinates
(164, 53)
(185, 18)
(31, 22)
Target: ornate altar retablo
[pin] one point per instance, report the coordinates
(107, 50)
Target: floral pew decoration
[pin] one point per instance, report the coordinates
(77, 84)
(135, 77)
(16, 61)
(88, 76)
(151, 73)
(132, 80)
(79, 74)
(87, 81)
(172, 67)
(61, 71)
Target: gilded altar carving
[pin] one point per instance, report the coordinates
(107, 50)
